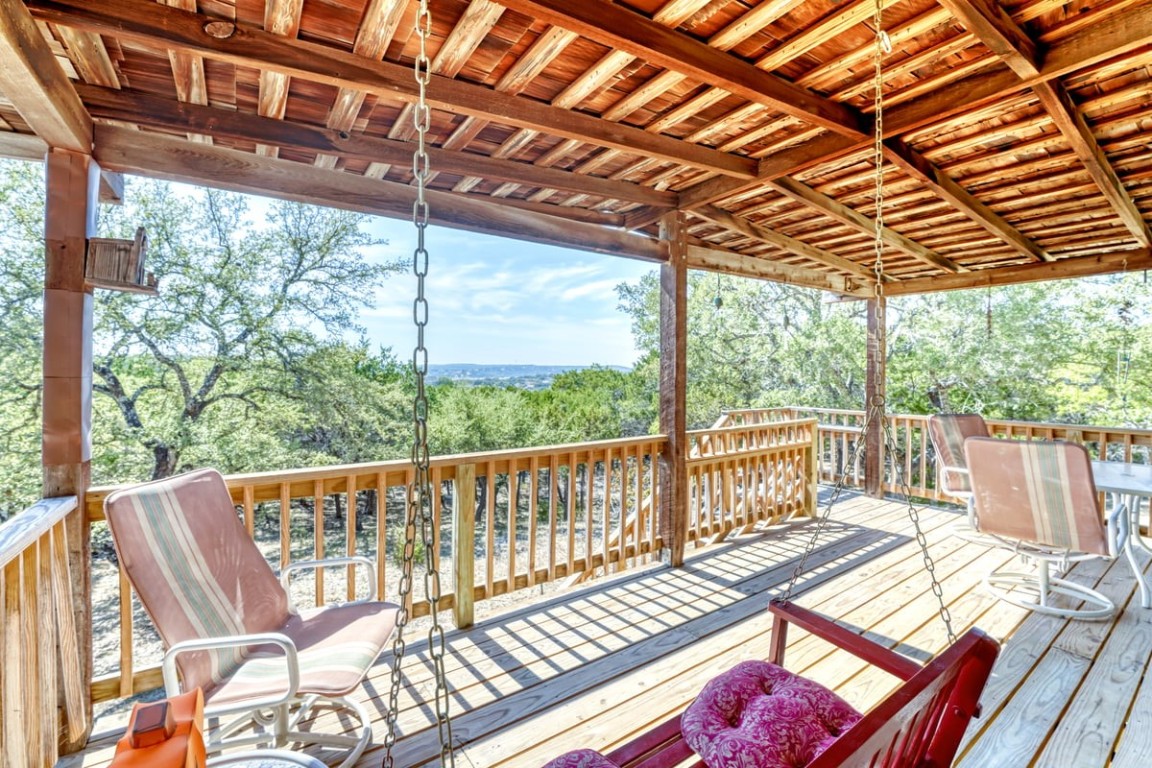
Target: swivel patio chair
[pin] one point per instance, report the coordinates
(228, 624)
(948, 431)
(1038, 499)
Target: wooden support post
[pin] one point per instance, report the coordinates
(673, 513)
(73, 183)
(463, 544)
(874, 390)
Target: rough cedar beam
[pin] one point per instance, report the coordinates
(992, 25)
(22, 146)
(158, 112)
(918, 167)
(849, 217)
(248, 46)
(778, 240)
(1072, 125)
(31, 78)
(707, 256)
(1084, 266)
(162, 157)
(1112, 37)
(616, 26)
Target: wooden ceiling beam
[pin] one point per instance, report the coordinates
(1115, 35)
(706, 256)
(169, 115)
(1084, 266)
(778, 240)
(918, 167)
(188, 72)
(1072, 125)
(992, 25)
(377, 27)
(851, 218)
(31, 78)
(625, 30)
(250, 46)
(22, 146)
(146, 154)
(281, 17)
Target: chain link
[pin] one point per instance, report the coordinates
(419, 511)
(876, 408)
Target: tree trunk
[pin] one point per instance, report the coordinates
(164, 460)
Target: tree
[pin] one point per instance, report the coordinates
(238, 317)
(21, 318)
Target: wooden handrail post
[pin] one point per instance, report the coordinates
(463, 544)
(875, 388)
(673, 514)
(73, 184)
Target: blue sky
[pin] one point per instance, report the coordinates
(494, 300)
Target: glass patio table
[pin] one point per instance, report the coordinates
(1129, 484)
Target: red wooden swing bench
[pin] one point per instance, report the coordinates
(919, 725)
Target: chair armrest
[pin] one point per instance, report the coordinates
(291, 662)
(311, 565)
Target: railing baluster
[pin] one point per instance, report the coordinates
(381, 533)
(533, 494)
(553, 512)
(126, 634)
(285, 526)
(513, 509)
(318, 536)
(490, 530)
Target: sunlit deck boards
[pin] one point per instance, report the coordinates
(593, 667)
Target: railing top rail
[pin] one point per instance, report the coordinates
(745, 427)
(368, 468)
(22, 530)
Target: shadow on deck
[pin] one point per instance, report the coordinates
(594, 666)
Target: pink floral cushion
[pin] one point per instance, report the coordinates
(759, 715)
(582, 758)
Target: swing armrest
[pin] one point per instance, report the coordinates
(876, 655)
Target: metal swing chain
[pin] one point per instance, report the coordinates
(878, 405)
(419, 507)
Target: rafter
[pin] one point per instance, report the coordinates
(249, 46)
(377, 26)
(992, 25)
(33, 81)
(706, 256)
(778, 240)
(281, 17)
(1071, 123)
(158, 156)
(1115, 35)
(919, 167)
(188, 72)
(172, 115)
(820, 202)
(625, 30)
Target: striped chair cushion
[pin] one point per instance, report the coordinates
(1037, 492)
(948, 432)
(196, 570)
(199, 574)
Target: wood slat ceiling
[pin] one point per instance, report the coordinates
(1018, 135)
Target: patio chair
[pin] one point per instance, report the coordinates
(228, 624)
(948, 431)
(1039, 500)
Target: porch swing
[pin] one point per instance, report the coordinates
(759, 714)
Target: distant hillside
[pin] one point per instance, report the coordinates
(523, 376)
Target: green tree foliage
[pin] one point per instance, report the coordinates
(238, 325)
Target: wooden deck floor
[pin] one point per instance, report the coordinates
(595, 666)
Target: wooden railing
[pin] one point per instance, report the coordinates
(510, 520)
(840, 433)
(744, 474)
(43, 701)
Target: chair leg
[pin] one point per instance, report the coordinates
(1033, 591)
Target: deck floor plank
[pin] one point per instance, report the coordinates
(600, 663)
